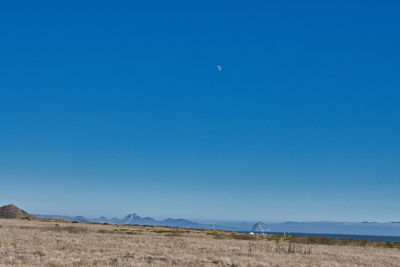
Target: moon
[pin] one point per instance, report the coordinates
(219, 67)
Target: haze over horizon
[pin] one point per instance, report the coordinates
(211, 110)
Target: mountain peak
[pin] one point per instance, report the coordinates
(132, 216)
(260, 227)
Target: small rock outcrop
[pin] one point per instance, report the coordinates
(260, 228)
(13, 212)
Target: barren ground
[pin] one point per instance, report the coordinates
(58, 243)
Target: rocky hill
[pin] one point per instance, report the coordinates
(11, 211)
(260, 227)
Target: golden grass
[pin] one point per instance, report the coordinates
(58, 243)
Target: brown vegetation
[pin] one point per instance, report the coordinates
(43, 242)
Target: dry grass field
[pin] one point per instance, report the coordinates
(57, 243)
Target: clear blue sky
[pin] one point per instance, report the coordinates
(113, 107)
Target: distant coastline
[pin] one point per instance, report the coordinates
(378, 238)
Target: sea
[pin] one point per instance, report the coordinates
(380, 238)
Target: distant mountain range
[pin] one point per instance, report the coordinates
(351, 228)
(134, 219)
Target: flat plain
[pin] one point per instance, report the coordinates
(35, 242)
